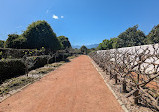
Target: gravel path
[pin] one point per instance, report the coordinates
(73, 87)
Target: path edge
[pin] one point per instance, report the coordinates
(27, 85)
(99, 71)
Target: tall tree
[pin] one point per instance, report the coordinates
(83, 49)
(10, 40)
(40, 34)
(107, 44)
(131, 37)
(15, 41)
(64, 42)
(153, 36)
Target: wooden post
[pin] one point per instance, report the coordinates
(123, 86)
(157, 102)
(55, 57)
(136, 99)
(116, 78)
(110, 75)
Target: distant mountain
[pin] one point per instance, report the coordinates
(92, 46)
(76, 46)
(88, 46)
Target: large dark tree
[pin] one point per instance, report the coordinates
(153, 36)
(40, 34)
(10, 40)
(64, 42)
(15, 41)
(83, 49)
(131, 37)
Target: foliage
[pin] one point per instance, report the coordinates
(153, 36)
(11, 68)
(107, 44)
(15, 83)
(10, 40)
(15, 41)
(131, 37)
(40, 34)
(2, 43)
(34, 62)
(65, 43)
(83, 49)
(1, 55)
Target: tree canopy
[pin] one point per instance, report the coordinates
(153, 36)
(65, 43)
(83, 49)
(131, 37)
(15, 41)
(40, 34)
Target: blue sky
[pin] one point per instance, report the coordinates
(82, 21)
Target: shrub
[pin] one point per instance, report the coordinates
(34, 62)
(11, 68)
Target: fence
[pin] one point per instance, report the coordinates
(135, 69)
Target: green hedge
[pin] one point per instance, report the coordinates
(11, 68)
(19, 53)
(36, 61)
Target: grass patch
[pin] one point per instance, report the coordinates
(55, 64)
(14, 83)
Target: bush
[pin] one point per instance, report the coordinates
(19, 53)
(34, 62)
(10, 68)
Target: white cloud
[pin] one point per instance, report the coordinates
(55, 17)
(62, 17)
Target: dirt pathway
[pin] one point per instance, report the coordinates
(74, 87)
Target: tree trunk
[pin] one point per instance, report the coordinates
(124, 87)
(157, 102)
(116, 78)
(136, 99)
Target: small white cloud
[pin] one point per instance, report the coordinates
(62, 17)
(55, 17)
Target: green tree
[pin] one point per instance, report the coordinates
(106, 44)
(20, 43)
(10, 41)
(2, 43)
(65, 43)
(83, 49)
(15, 41)
(40, 34)
(153, 36)
(131, 37)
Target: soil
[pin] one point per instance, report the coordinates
(73, 87)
